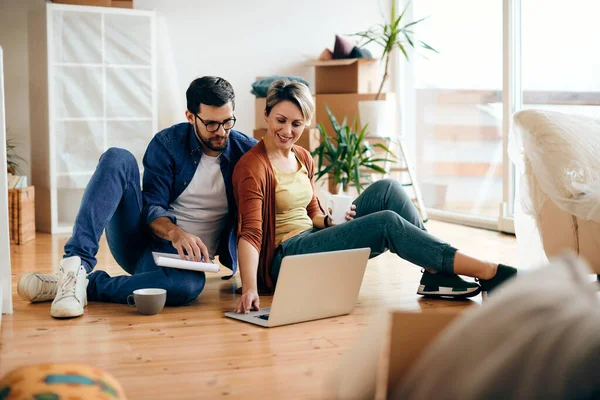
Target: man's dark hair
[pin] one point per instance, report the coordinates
(209, 90)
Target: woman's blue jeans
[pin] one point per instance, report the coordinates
(386, 219)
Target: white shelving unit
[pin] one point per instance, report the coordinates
(5, 266)
(93, 87)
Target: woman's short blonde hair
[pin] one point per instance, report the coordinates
(296, 92)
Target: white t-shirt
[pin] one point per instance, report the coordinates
(202, 207)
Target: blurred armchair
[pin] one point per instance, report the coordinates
(558, 188)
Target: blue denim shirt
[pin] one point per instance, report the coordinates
(170, 163)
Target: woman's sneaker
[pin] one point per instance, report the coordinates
(35, 288)
(446, 285)
(71, 295)
(503, 274)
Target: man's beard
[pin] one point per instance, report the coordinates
(214, 145)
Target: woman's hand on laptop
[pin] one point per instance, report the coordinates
(248, 302)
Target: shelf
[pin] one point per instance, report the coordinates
(99, 10)
(96, 79)
(100, 65)
(110, 119)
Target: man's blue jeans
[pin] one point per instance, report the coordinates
(113, 202)
(386, 219)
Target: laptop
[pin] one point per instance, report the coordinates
(312, 286)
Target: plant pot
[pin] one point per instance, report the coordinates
(338, 189)
(379, 115)
(333, 187)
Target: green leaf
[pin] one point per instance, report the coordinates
(401, 47)
(403, 11)
(408, 40)
(378, 160)
(357, 175)
(325, 170)
(376, 168)
(415, 22)
(334, 122)
(428, 47)
(384, 148)
(367, 42)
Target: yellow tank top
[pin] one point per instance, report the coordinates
(293, 192)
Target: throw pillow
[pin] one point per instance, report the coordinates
(343, 47)
(261, 86)
(359, 52)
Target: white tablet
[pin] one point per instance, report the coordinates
(173, 261)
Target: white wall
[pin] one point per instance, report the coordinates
(235, 39)
(13, 39)
(239, 40)
(5, 270)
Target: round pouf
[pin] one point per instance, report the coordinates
(60, 382)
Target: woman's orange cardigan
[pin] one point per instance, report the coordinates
(254, 191)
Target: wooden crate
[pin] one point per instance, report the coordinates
(21, 214)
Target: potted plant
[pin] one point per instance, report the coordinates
(345, 157)
(390, 35)
(12, 158)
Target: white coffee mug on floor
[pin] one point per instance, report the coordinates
(337, 207)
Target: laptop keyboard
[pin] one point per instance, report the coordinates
(264, 316)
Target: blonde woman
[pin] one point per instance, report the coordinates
(280, 214)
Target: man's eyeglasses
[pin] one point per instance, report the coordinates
(212, 126)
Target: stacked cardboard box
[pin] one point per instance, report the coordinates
(341, 84)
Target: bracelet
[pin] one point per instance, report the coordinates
(326, 221)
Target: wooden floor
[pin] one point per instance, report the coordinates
(194, 352)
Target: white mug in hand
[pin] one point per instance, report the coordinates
(337, 207)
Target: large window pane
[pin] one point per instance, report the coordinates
(459, 106)
(560, 62)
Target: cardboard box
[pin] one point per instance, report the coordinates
(310, 138)
(411, 333)
(259, 109)
(354, 75)
(346, 105)
(121, 3)
(96, 3)
(259, 116)
(383, 354)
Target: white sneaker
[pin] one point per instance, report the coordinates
(36, 287)
(72, 286)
